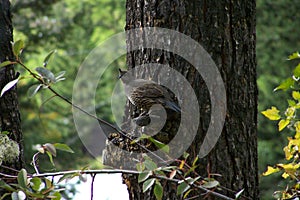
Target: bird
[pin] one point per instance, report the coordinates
(146, 93)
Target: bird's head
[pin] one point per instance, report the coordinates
(125, 78)
(121, 73)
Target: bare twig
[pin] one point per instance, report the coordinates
(9, 168)
(34, 159)
(61, 173)
(92, 186)
(7, 175)
(124, 134)
(195, 186)
(115, 171)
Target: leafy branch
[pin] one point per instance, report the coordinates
(46, 79)
(149, 174)
(288, 119)
(27, 183)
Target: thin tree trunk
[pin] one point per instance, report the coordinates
(9, 110)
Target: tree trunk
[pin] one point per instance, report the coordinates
(226, 30)
(9, 111)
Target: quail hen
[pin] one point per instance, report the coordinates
(145, 93)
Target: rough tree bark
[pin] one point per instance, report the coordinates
(9, 110)
(226, 29)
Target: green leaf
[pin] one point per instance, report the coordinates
(49, 187)
(182, 188)
(48, 184)
(169, 168)
(158, 190)
(6, 186)
(283, 123)
(63, 147)
(186, 155)
(191, 169)
(8, 86)
(67, 176)
(296, 95)
(159, 171)
(185, 196)
(140, 166)
(46, 60)
(5, 132)
(35, 183)
(287, 84)
(5, 63)
(33, 90)
(143, 136)
(148, 184)
(55, 196)
(195, 161)
(184, 185)
(291, 102)
(237, 195)
(211, 183)
(17, 47)
(50, 157)
(50, 148)
(294, 56)
(22, 178)
(165, 148)
(150, 165)
(289, 113)
(272, 114)
(144, 175)
(45, 73)
(297, 71)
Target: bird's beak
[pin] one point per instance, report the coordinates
(121, 73)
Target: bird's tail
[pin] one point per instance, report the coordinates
(172, 106)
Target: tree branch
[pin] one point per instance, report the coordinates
(93, 173)
(124, 134)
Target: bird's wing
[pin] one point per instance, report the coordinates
(149, 90)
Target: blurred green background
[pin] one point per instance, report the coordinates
(74, 28)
